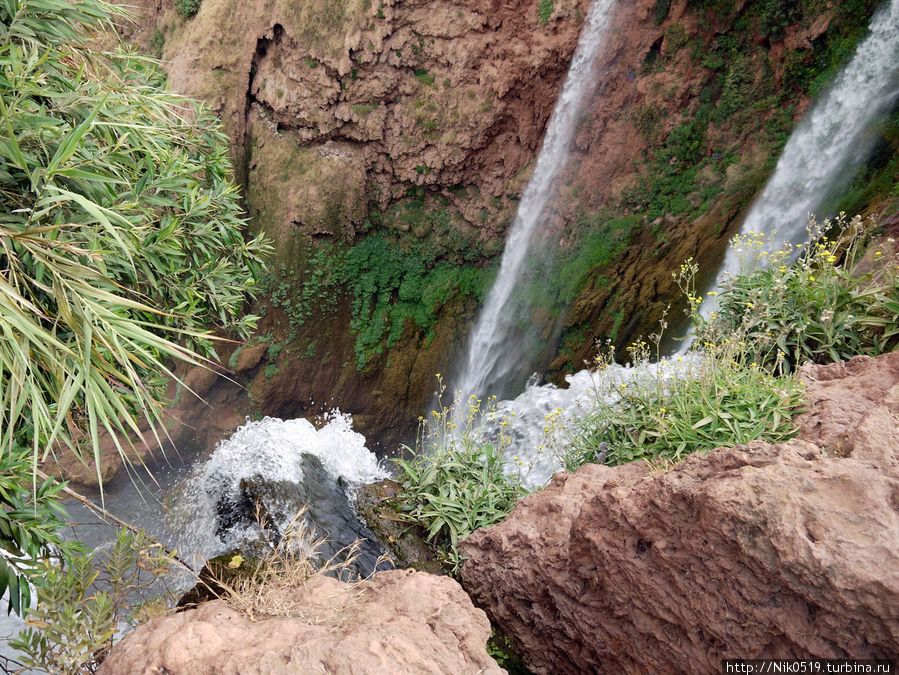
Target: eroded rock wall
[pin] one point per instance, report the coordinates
(420, 121)
(759, 551)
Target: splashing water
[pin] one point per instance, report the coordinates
(540, 415)
(489, 358)
(828, 145)
(278, 466)
(287, 463)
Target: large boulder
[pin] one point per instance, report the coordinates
(398, 621)
(757, 551)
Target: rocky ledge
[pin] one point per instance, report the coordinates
(757, 551)
(398, 621)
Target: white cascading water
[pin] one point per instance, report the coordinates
(829, 145)
(487, 360)
(284, 465)
(821, 155)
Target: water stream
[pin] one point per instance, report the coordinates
(490, 358)
(206, 506)
(829, 145)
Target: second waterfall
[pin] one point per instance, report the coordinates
(491, 358)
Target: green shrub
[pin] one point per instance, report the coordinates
(671, 176)
(675, 37)
(830, 305)
(421, 74)
(83, 604)
(713, 401)
(544, 11)
(454, 482)
(187, 8)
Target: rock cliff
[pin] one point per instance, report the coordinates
(383, 147)
(758, 551)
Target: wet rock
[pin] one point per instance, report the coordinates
(395, 622)
(259, 510)
(407, 541)
(757, 551)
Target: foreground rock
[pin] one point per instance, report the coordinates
(395, 622)
(757, 551)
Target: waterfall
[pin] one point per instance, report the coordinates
(818, 160)
(829, 145)
(487, 361)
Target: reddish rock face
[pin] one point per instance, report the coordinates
(396, 622)
(749, 552)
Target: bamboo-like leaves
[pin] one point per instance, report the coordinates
(121, 240)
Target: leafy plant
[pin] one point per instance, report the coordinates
(83, 602)
(30, 518)
(833, 303)
(120, 233)
(454, 482)
(187, 8)
(662, 9)
(689, 404)
(120, 243)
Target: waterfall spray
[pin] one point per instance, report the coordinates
(487, 363)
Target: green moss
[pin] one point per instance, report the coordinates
(418, 259)
(187, 8)
(364, 109)
(544, 11)
(422, 76)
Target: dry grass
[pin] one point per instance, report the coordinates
(273, 584)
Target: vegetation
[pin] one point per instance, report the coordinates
(544, 11)
(120, 242)
(832, 304)
(187, 8)
(688, 405)
(72, 628)
(30, 516)
(454, 482)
